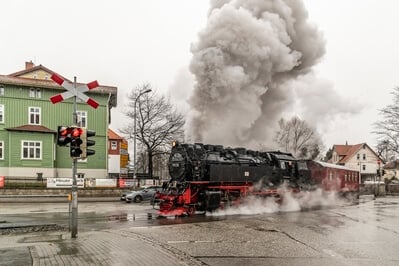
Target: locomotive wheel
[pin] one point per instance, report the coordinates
(190, 211)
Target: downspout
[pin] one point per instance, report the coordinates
(106, 134)
(9, 153)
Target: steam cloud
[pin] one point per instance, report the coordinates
(290, 203)
(247, 63)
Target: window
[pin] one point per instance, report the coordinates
(1, 113)
(364, 167)
(34, 115)
(1, 90)
(358, 156)
(364, 156)
(35, 93)
(114, 145)
(1, 150)
(31, 149)
(82, 118)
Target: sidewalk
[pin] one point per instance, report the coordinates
(51, 199)
(108, 247)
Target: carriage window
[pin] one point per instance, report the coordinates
(302, 166)
(282, 165)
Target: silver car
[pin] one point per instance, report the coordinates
(124, 194)
(144, 194)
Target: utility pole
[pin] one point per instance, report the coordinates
(74, 190)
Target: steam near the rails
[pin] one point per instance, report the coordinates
(290, 202)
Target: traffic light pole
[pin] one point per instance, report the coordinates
(74, 191)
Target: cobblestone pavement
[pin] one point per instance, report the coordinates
(107, 247)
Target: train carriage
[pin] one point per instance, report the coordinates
(332, 177)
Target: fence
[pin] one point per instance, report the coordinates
(24, 182)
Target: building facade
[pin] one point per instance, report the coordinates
(118, 155)
(359, 157)
(29, 121)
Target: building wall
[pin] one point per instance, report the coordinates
(55, 160)
(114, 164)
(370, 162)
(37, 74)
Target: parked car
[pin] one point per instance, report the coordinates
(144, 194)
(123, 196)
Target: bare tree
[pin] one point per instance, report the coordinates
(387, 128)
(297, 137)
(157, 122)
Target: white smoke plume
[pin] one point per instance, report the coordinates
(245, 63)
(290, 202)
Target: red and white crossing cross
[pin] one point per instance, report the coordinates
(72, 91)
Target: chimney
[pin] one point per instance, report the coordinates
(29, 65)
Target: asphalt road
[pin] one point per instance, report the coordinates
(364, 233)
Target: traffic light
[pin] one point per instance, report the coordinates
(76, 142)
(87, 142)
(63, 135)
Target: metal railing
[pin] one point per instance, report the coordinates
(24, 182)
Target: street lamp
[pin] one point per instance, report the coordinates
(135, 133)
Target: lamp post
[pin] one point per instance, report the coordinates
(135, 133)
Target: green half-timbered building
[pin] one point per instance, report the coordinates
(29, 121)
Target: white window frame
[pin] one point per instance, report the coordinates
(1, 113)
(1, 150)
(38, 93)
(1, 90)
(114, 145)
(35, 93)
(32, 147)
(36, 113)
(82, 118)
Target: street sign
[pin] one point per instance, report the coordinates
(72, 91)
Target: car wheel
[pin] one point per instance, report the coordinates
(138, 199)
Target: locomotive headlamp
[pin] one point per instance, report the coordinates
(174, 143)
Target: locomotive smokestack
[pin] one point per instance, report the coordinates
(246, 64)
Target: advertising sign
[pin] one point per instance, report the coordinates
(123, 183)
(63, 182)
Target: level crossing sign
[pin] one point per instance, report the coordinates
(74, 91)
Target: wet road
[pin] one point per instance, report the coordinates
(361, 234)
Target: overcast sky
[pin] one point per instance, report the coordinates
(126, 43)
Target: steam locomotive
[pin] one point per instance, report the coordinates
(207, 177)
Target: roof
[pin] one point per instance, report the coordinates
(346, 152)
(42, 83)
(392, 165)
(15, 79)
(32, 128)
(33, 69)
(113, 135)
(331, 165)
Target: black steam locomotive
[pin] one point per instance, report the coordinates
(213, 163)
(207, 177)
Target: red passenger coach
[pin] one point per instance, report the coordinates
(332, 177)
